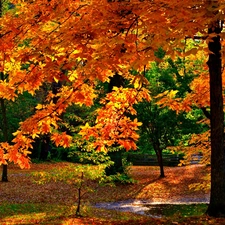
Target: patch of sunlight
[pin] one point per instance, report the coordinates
(154, 187)
(72, 221)
(27, 216)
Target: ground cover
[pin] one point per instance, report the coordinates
(24, 202)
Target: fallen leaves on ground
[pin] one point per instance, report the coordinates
(52, 201)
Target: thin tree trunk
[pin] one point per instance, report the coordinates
(160, 161)
(4, 173)
(216, 206)
(79, 195)
(158, 152)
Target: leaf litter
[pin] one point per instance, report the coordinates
(21, 190)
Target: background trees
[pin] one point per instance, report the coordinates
(163, 127)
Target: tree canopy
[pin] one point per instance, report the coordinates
(81, 42)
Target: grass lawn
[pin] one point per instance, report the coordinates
(24, 202)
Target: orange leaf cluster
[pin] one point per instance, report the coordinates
(113, 126)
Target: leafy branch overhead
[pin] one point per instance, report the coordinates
(82, 43)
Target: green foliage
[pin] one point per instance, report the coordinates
(172, 210)
(163, 127)
(71, 174)
(121, 178)
(17, 111)
(87, 155)
(77, 175)
(124, 177)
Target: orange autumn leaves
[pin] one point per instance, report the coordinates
(80, 43)
(114, 124)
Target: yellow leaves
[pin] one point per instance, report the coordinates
(138, 124)
(39, 106)
(73, 75)
(7, 91)
(3, 155)
(84, 130)
(49, 26)
(172, 93)
(56, 80)
(166, 96)
(168, 99)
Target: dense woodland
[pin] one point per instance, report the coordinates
(93, 81)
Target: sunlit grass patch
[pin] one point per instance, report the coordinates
(30, 213)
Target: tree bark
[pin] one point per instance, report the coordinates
(79, 195)
(5, 124)
(158, 152)
(216, 206)
(5, 135)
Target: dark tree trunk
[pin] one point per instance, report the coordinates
(45, 145)
(79, 195)
(158, 152)
(216, 206)
(160, 161)
(45, 148)
(4, 173)
(5, 135)
(117, 167)
(55, 89)
(5, 124)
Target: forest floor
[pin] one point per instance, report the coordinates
(25, 202)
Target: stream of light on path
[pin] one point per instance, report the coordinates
(184, 207)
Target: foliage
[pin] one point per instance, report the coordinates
(121, 40)
(77, 175)
(17, 111)
(164, 127)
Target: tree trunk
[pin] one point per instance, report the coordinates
(5, 135)
(4, 173)
(158, 152)
(117, 167)
(5, 124)
(160, 161)
(79, 195)
(216, 206)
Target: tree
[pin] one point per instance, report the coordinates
(217, 201)
(93, 40)
(161, 126)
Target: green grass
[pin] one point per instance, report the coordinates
(64, 215)
(30, 213)
(170, 210)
